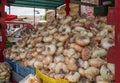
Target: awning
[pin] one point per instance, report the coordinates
(48, 4)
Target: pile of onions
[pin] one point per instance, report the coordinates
(5, 73)
(72, 48)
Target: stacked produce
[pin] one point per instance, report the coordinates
(5, 71)
(74, 9)
(91, 1)
(71, 48)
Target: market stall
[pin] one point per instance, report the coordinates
(72, 49)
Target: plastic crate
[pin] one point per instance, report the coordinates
(24, 71)
(16, 77)
(47, 79)
(11, 63)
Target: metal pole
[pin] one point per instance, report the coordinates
(34, 16)
(67, 8)
(55, 13)
(9, 13)
(9, 10)
(34, 13)
(79, 9)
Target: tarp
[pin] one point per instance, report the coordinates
(10, 17)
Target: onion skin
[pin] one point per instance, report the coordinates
(99, 53)
(82, 42)
(105, 73)
(61, 66)
(97, 62)
(73, 78)
(91, 72)
(111, 67)
(85, 53)
(73, 63)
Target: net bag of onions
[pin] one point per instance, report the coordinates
(5, 72)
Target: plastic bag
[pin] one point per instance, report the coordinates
(30, 79)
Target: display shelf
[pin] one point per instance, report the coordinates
(16, 31)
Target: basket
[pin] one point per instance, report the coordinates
(47, 79)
